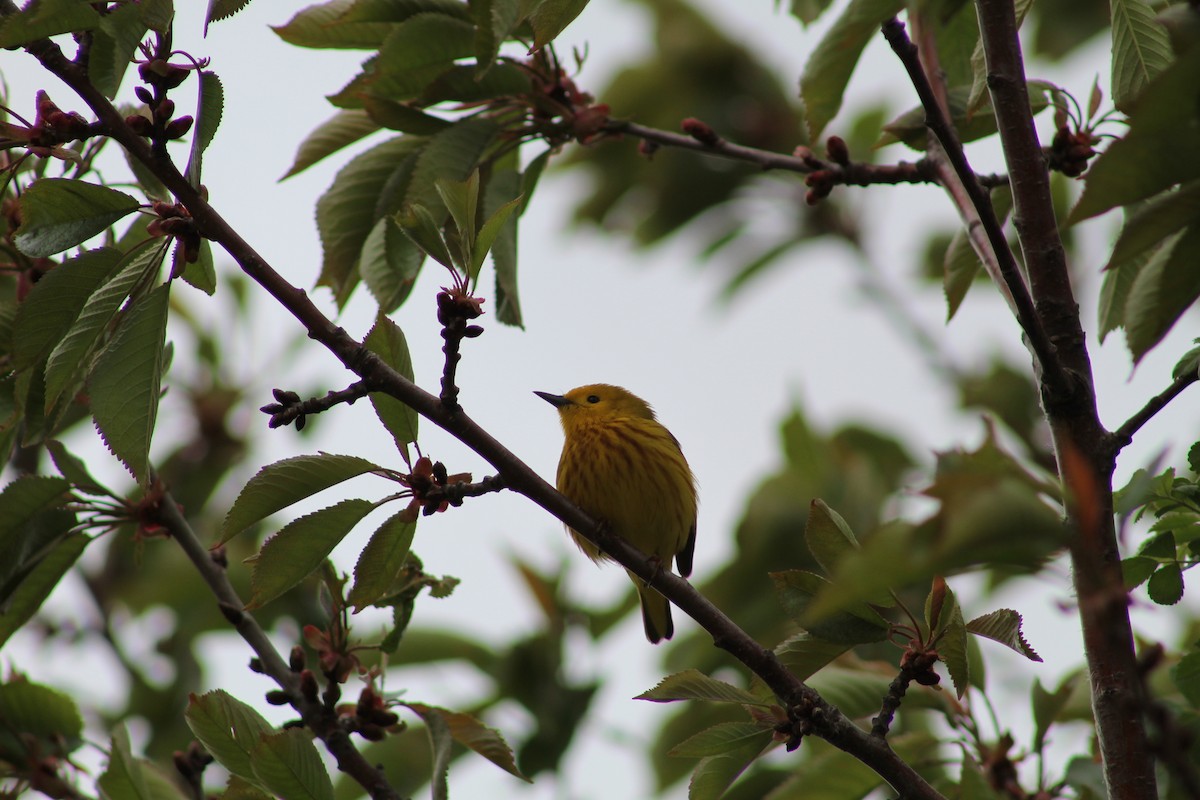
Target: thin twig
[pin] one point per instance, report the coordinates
(1054, 376)
(1123, 435)
(855, 173)
(315, 715)
(288, 406)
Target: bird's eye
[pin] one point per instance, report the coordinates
(593, 398)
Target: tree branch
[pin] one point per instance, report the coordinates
(1123, 435)
(318, 718)
(855, 173)
(288, 406)
(827, 722)
(1082, 445)
(1044, 351)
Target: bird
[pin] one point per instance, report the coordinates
(624, 468)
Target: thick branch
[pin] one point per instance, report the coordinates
(1082, 446)
(828, 723)
(315, 715)
(1053, 374)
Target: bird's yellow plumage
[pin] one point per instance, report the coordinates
(620, 465)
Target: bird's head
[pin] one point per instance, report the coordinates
(596, 402)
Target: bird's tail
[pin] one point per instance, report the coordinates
(656, 612)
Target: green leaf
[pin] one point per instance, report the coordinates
(1140, 49)
(1133, 168)
(470, 732)
(114, 44)
(238, 788)
(209, 105)
(48, 717)
(124, 777)
(504, 186)
(1186, 675)
(127, 380)
(71, 357)
(59, 213)
(20, 502)
(288, 764)
(201, 273)
(440, 743)
(1136, 570)
(494, 22)
(1165, 586)
(300, 548)
(1114, 292)
(75, 471)
(344, 128)
(962, 264)
(488, 233)
(420, 47)
(359, 196)
(1047, 706)
(28, 595)
(158, 14)
(386, 340)
(715, 774)
(692, 684)
(856, 624)
(382, 560)
(55, 302)
(857, 693)
(451, 155)
(827, 535)
(420, 227)
(1150, 223)
(279, 485)
(551, 18)
(389, 264)
(804, 654)
(952, 642)
(830, 65)
(461, 84)
(43, 18)
(228, 728)
(222, 9)
(325, 26)
(462, 201)
(808, 11)
(719, 739)
(1003, 626)
(1165, 287)
(400, 117)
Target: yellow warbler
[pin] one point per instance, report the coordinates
(621, 466)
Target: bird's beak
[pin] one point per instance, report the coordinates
(556, 400)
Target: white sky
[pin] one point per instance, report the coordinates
(720, 377)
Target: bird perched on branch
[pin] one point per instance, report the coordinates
(621, 466)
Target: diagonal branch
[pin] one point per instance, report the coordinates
(1053, 374)
(318, 718)
(1123, 435)
(824, 720)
